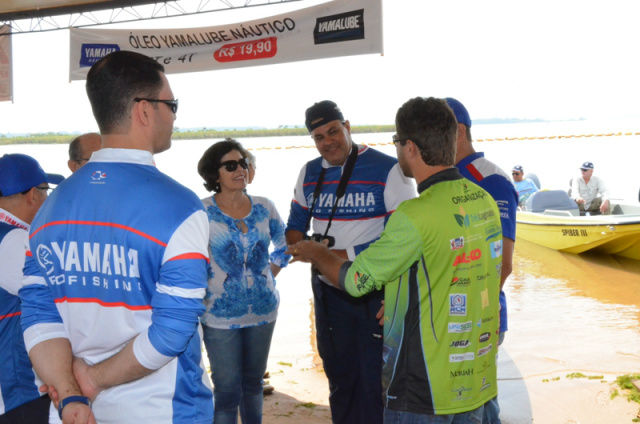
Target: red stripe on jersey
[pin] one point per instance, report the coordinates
(355, 219)
(472, 169)
(101, 224)
(103, 303)
(189, 256)
(15, 314)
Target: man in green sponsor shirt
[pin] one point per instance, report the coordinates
(439, 261)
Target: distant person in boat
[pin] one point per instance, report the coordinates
(589, 191)
(524, 186)
(474, 166)
(81, 148)
(438, 271)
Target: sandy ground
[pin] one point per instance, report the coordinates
(534, 361)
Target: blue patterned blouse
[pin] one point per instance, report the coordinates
(242, 291)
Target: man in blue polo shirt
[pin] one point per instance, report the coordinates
(474, 166)
(23, 189)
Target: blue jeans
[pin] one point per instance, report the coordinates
(401, 417)
(238, 359)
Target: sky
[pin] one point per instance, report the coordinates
(554, 60)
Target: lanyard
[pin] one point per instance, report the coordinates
(342, 187)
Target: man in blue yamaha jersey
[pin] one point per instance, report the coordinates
(372, 187)
(117, 267)
(23, 190)
(474, 166)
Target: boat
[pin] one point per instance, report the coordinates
(552, 219)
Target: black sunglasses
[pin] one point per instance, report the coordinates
(173, 104)
(515, 173)
(232, 165)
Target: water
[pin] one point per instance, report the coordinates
(567, 312)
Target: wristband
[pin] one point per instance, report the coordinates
(68, 400)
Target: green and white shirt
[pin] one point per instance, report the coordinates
(439, 259)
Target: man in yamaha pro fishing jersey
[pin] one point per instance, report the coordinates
(117, 267)
(347, 194)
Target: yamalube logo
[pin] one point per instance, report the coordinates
(342, 27)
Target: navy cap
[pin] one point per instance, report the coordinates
(587, 165)
(19, 173)
(462, 115)
(322, 113)
(518, 168)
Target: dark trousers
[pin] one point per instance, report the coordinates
(34, 412)
(350, 345)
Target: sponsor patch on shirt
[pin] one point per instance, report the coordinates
(457, 304)
(457, 243)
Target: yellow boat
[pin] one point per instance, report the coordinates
(552, 219)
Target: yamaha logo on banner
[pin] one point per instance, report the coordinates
(91, 53)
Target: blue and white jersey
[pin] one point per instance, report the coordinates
(497, 183)
(376, 187)
(18, 382)
(242, 291)
(117, 252)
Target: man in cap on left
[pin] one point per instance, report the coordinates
(23, 189)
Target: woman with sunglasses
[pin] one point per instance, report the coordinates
(241, 301)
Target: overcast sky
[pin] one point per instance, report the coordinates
(524, 59)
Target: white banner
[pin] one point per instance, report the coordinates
(6, 75)
(336, 28)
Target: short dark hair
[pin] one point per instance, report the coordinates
(74, 149)
(209, 164)
(114, 81)
(432, 126)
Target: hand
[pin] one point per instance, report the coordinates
(380, 314)
(52, 392)
(83, 375)
(306, 250)
(604, 207)
(580, 201)
(78, 413)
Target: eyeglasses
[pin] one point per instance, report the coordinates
(396, 140)
(515, 174)
(173, 104)
(232, 165)
(584, 170)
(46, 189)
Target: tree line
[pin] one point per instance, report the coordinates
(204, 133)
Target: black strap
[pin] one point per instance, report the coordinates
(342, 187)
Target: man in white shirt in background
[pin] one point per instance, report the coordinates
(589, 191)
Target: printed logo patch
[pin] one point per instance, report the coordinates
(461, 357)
(457, 243)
(460, 327)
(457, 304)
(91, 53)
(337, 28)
(460, 343)
(496, 249)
